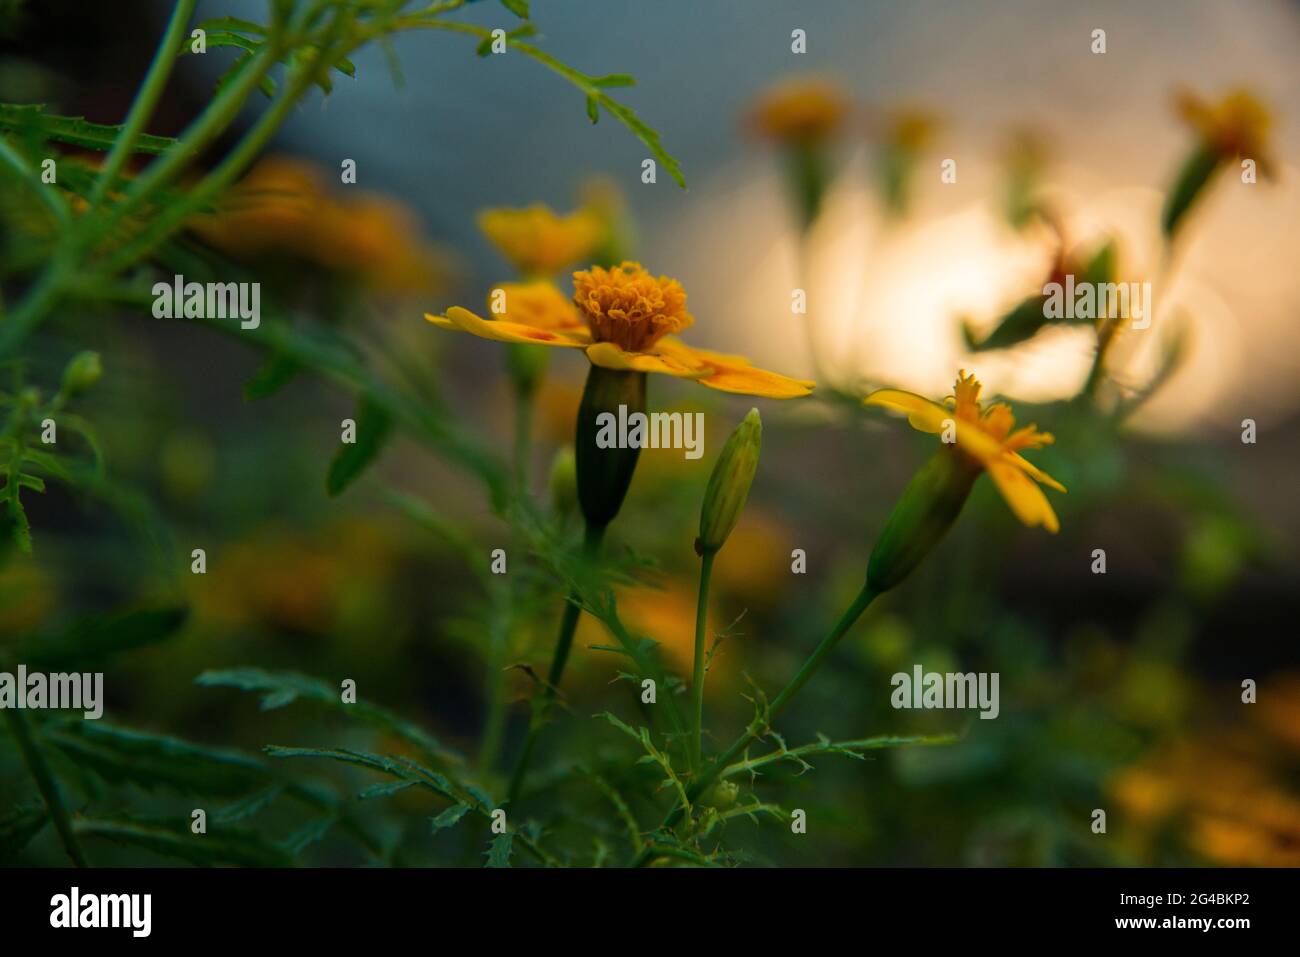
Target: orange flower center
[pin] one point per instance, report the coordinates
(629, 307)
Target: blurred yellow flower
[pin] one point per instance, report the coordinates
(537, 240)
(1236, 127)
(1238, 815)
(539, 305)
(628, 316)
(986, 437)
(282, 208)
(910, 129)
(800, 110)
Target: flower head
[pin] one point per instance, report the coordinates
(800, 110)
(537, 240)
(629, 307)
(625, 320)
(987, 436)
(1236, 127)
(282, 208)
(909, 129)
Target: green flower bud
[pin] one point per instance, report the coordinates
(721, 796)
(724, 498)
(1197, 171)
(924, 513)
(604, 474)
(564, 482)
(81, 373)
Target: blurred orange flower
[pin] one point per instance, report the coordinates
(282, 208)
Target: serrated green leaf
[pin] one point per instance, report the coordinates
(91, 641)
(498, 852)
(19, 530)
(217, 846)
(373, 425)
(125, 756)
(385, 789)
(248, 807)
(75, 130)
(449, 817)
(282, 688)
(310, 833)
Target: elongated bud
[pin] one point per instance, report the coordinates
(924, 513)
(1195, 174)
(605, 461)
(564, 482)
(81, 373)
(809, 176)
(728, 488)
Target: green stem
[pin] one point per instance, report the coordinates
(146, 99)
(697, 676)
(52, 198)
(523, 439)
(559, 658)
(495, 722)
(227, 171)
(46, 784)
(211, 123)
(760, 724)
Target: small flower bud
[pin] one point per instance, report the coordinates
(721, 796)
(81, 373)
(724, 498)
(924, 513)
(564, 482)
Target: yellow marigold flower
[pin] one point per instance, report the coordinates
(989, 438)
(627, 317)
(1236, 127)
(537, 240)
(801, 110)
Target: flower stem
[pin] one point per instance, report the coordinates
(761, 722)
(560, 657)
(697, 677)
(46, 784)
(523, 439)
(146, 99)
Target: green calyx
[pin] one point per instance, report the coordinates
(924, 513)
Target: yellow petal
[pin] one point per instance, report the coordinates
(609, 356)
(1023, 497)
(728, 373)
(500, 331)
(1034, 472)
(922, 414)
